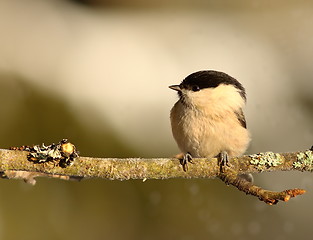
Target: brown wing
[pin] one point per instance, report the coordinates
(241, 118)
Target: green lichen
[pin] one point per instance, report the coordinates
(266, 160)
(304, 161)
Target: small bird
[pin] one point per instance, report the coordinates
(208, 121)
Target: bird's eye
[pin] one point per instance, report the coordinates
(196, 88)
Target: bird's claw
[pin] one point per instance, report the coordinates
(184, 161)
(223, 160)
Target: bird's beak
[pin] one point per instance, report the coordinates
(175, 87)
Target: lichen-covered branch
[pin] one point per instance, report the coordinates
(160, 168)
(157, 168)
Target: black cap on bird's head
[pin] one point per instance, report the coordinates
(208, 79)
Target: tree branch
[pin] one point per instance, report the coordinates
(12, 161)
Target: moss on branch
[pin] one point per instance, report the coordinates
(157, 168)
(12, 162)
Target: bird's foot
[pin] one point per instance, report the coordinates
(223, 159)
(184, 161)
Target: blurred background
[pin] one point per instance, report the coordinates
(97, 72)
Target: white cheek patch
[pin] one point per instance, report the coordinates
(223, 96)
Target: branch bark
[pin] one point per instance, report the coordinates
(163, 168)
(157, 168)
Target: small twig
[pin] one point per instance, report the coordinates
(229, 176)
(30, 177)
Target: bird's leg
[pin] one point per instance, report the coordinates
(184, 161)
(223, 159)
